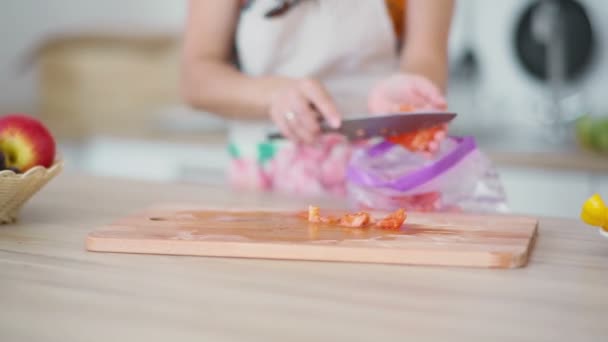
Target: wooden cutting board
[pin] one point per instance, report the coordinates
(425, 239)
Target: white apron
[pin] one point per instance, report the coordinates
(348, 45)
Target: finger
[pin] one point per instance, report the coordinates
(377, 103)
(322, 101)
(436, 99)
(430, 92)
(441, 105)
(302, 134)
(438, 104)
(306, 119)
(430, 101)
(428, 87)
(294, 123)
(292, 120)
(281, 121)
(414, 98)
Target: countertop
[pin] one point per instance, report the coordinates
(52, 289)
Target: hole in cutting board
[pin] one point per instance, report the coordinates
(157, 219)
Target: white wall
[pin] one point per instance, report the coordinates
(26, 22)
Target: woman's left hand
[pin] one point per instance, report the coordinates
(404, 90)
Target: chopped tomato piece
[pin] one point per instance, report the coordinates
(356, 220)
(406, 108)
(330, 219)
(314, 214)
(426, 140)
(360, 219)
(393, 221)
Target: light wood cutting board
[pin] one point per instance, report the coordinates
(425, 239)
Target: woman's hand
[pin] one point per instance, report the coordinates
(297, 107)
(397, 91)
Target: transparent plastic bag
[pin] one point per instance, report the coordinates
(458, 177)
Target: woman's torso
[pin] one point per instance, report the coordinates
(347, 45)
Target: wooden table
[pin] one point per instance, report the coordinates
(51, 289)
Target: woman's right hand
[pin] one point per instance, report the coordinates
(297, 106)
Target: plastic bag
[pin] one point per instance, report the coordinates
(458, 177)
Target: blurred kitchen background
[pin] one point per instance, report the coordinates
(103, 75)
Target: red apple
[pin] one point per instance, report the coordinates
(25, 142)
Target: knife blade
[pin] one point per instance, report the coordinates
(368, 126)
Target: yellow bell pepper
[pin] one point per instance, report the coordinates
(595, 213)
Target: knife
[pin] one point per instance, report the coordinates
(368, 126)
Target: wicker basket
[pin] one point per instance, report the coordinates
(17, 189)
(88, 81)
